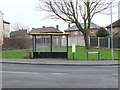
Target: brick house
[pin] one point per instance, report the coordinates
(1, 28)
(116, 28)
(76, 35)
(4, 28)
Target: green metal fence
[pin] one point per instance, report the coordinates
(105, 42)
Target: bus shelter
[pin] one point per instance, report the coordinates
(50, 45)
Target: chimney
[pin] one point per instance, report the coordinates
(57, 27)
(43, 26)
(69, 25)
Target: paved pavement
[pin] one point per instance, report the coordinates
(59, 62)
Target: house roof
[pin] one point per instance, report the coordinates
(6, 22)
(74, 28)
(115, 24)
(45, 30)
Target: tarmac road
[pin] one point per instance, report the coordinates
(56, 76)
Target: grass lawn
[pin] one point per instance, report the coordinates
(80, 54)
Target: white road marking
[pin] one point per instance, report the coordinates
(60, 73)
(115, 74)
(13, 72)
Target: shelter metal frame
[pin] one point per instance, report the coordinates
(50, 54)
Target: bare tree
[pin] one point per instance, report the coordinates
(75, 11)
(19, 26)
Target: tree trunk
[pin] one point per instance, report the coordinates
(86, 39)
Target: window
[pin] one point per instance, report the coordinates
(91, 31)
(75, 32)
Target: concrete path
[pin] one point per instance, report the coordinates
(59, 62)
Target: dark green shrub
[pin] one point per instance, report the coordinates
(102, 32)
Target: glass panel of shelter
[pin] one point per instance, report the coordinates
(59, 44)
(42, 43)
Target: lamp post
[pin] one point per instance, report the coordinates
(111, 32)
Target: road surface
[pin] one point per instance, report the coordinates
(56, 76)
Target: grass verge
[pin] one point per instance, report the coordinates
(80, 54)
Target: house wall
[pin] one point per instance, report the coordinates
(115, 30)
(1, 28)
(6, 30)
(78, 41)
(93, 34)
(79, 33)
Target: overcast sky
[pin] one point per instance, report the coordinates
(23, 11)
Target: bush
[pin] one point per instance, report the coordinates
(18, 43)
(102, 32)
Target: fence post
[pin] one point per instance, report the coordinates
(89, 39)
(98, 42)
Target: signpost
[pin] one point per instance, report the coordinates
(94, 53)
(73, 50)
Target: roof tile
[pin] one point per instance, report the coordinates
(74, 28)
(45, 30)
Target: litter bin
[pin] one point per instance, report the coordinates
(28, 55)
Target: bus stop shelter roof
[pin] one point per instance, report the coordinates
(49, 33)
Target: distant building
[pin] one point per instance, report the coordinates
(75, 32)
(116, 25)
(46, 30)
(1, 28)
(4, 28)
(76, 36)
(116, 28)
(18, 34)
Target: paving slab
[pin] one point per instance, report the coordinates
(59, 62)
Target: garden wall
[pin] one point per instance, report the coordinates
(78, 41)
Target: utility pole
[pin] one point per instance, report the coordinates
(111, 32)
